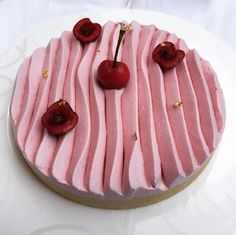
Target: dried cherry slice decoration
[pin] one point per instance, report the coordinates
(86, 31)
(59, 118)
(167, 56)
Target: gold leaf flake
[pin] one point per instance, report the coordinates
(178, 104)
(62, 102)
(135, 136)
(123, 26)
(45, 74)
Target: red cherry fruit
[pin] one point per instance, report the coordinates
(113, 77)
(113, 74)
(167, 56)
(59, 118)
(86, 31)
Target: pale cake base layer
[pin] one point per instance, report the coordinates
(118, 204)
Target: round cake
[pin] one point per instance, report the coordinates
(128, 146)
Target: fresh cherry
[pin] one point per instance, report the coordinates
(86, 31)
(59, 118)
(113, 74)
(167, 56)
(113, 77)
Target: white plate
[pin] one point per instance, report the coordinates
(207, 206)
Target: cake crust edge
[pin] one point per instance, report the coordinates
(120, 204)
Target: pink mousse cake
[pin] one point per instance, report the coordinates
(132, 146)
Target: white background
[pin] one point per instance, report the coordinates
(20, 16)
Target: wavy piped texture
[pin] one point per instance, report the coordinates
(128, 143)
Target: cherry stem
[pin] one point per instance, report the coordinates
(122, 32)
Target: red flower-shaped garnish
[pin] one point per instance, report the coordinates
(86, 31)
(167, 56)
(113, 74)
(59, 118)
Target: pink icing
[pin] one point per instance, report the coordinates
(35, 132)
(205, 106)
(191, 111)
(76, 170)
(48, 146)
(62, 161)
(146, 122)
(133, 171)
(96, 157)
(172, 169)
(30, 93)
(216, 94)
(129, 142)
(114, 145)
(177, 120)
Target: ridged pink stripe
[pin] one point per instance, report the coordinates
(176, 118)
(95, 163)
(66, 143)
(133, 172)
(45, 152)
(205, 106)
(30, 94)
(215, 92)
(114, 145)
(172, 170)
(190, 108)
(146, 119)
(35, 133)
(79, 157)
(19, 90)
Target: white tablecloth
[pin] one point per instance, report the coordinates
(20, 16)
